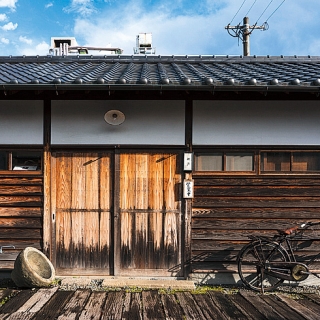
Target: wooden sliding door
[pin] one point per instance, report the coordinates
(148, 219)
(142, 233)
(81, 202)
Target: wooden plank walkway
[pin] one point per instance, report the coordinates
(84, 304)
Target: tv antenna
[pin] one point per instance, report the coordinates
(243, 32)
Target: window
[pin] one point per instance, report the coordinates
(263, 162)
(20, 160)
(233, 161)
(239, 162)
(209, 162)
(299, 161)
(275, 161)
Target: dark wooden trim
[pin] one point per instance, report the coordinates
(115, 267)
(188, 123)
(47, 215)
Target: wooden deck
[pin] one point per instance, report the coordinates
(53, 303)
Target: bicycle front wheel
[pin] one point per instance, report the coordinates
(252, 261)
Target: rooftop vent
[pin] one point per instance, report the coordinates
(68, 46)
(144, 44)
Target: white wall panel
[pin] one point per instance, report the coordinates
(21, 122)
(147, 122)
(256, 123)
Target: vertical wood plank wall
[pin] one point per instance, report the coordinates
(228, 209)
(81, 204)
(150, 224)
(21, 214)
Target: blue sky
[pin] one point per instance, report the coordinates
(178, 27)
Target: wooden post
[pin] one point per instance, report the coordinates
(246, 37)
(186, 222)
(47, 228)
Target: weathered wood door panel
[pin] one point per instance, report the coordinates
(148, 220)
(81, 202)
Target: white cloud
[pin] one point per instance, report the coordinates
(203, 32)
(8, 3)
(172, 34)
(25, 40)
(82, 7)
(42, 48)
(3, 17)
(48, 5)
(5, 40)
(9, 26)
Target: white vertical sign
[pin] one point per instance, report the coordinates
(188, 189)
(188, 161)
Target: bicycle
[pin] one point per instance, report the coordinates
(266, 262)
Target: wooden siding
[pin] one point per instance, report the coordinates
(228, 209)
(150, 224)
(81, 204)
(21, 214)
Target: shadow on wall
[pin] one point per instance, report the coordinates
(212, 268)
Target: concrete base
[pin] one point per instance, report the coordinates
(125, 282)
(233, 279)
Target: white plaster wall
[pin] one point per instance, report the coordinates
(147, 122)
(21, 122)
(256, 123)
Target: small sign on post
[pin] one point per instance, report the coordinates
(188, 189)
(188, 161)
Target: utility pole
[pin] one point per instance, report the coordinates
(243, 32)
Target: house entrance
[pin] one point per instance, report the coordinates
(81, 212)
(116, 214)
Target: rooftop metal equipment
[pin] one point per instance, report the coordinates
(64, 46)
(144, 44)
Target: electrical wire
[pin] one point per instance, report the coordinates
(264, 10)
(275, 10)
(250, 8)
(238, 11)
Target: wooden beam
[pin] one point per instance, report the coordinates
(47, 230)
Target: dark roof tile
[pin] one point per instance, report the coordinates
(161, 70)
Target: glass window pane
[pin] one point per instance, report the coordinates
(275, 161)
(26, 160)
(209, 162)
(239, 162)
(306, 161)
(3, 160)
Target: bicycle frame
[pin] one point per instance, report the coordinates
(291, 270)
(265, 262)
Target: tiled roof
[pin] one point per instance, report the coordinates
(198, 72)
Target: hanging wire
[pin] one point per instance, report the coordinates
(264, 10)
(250, 8)
(238, 11)
(275, 11)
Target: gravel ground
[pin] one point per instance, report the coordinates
(96, 285)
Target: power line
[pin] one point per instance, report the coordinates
(275, 10)
(238, 11)
(243, 32)
(264, 10)
(250, 8)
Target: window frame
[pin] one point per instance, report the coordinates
(224, 153)
(10, 170)
(257, 162)
(289, 172)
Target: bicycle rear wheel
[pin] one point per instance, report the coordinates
(252, 261)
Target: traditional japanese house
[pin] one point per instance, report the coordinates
(155, 166)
